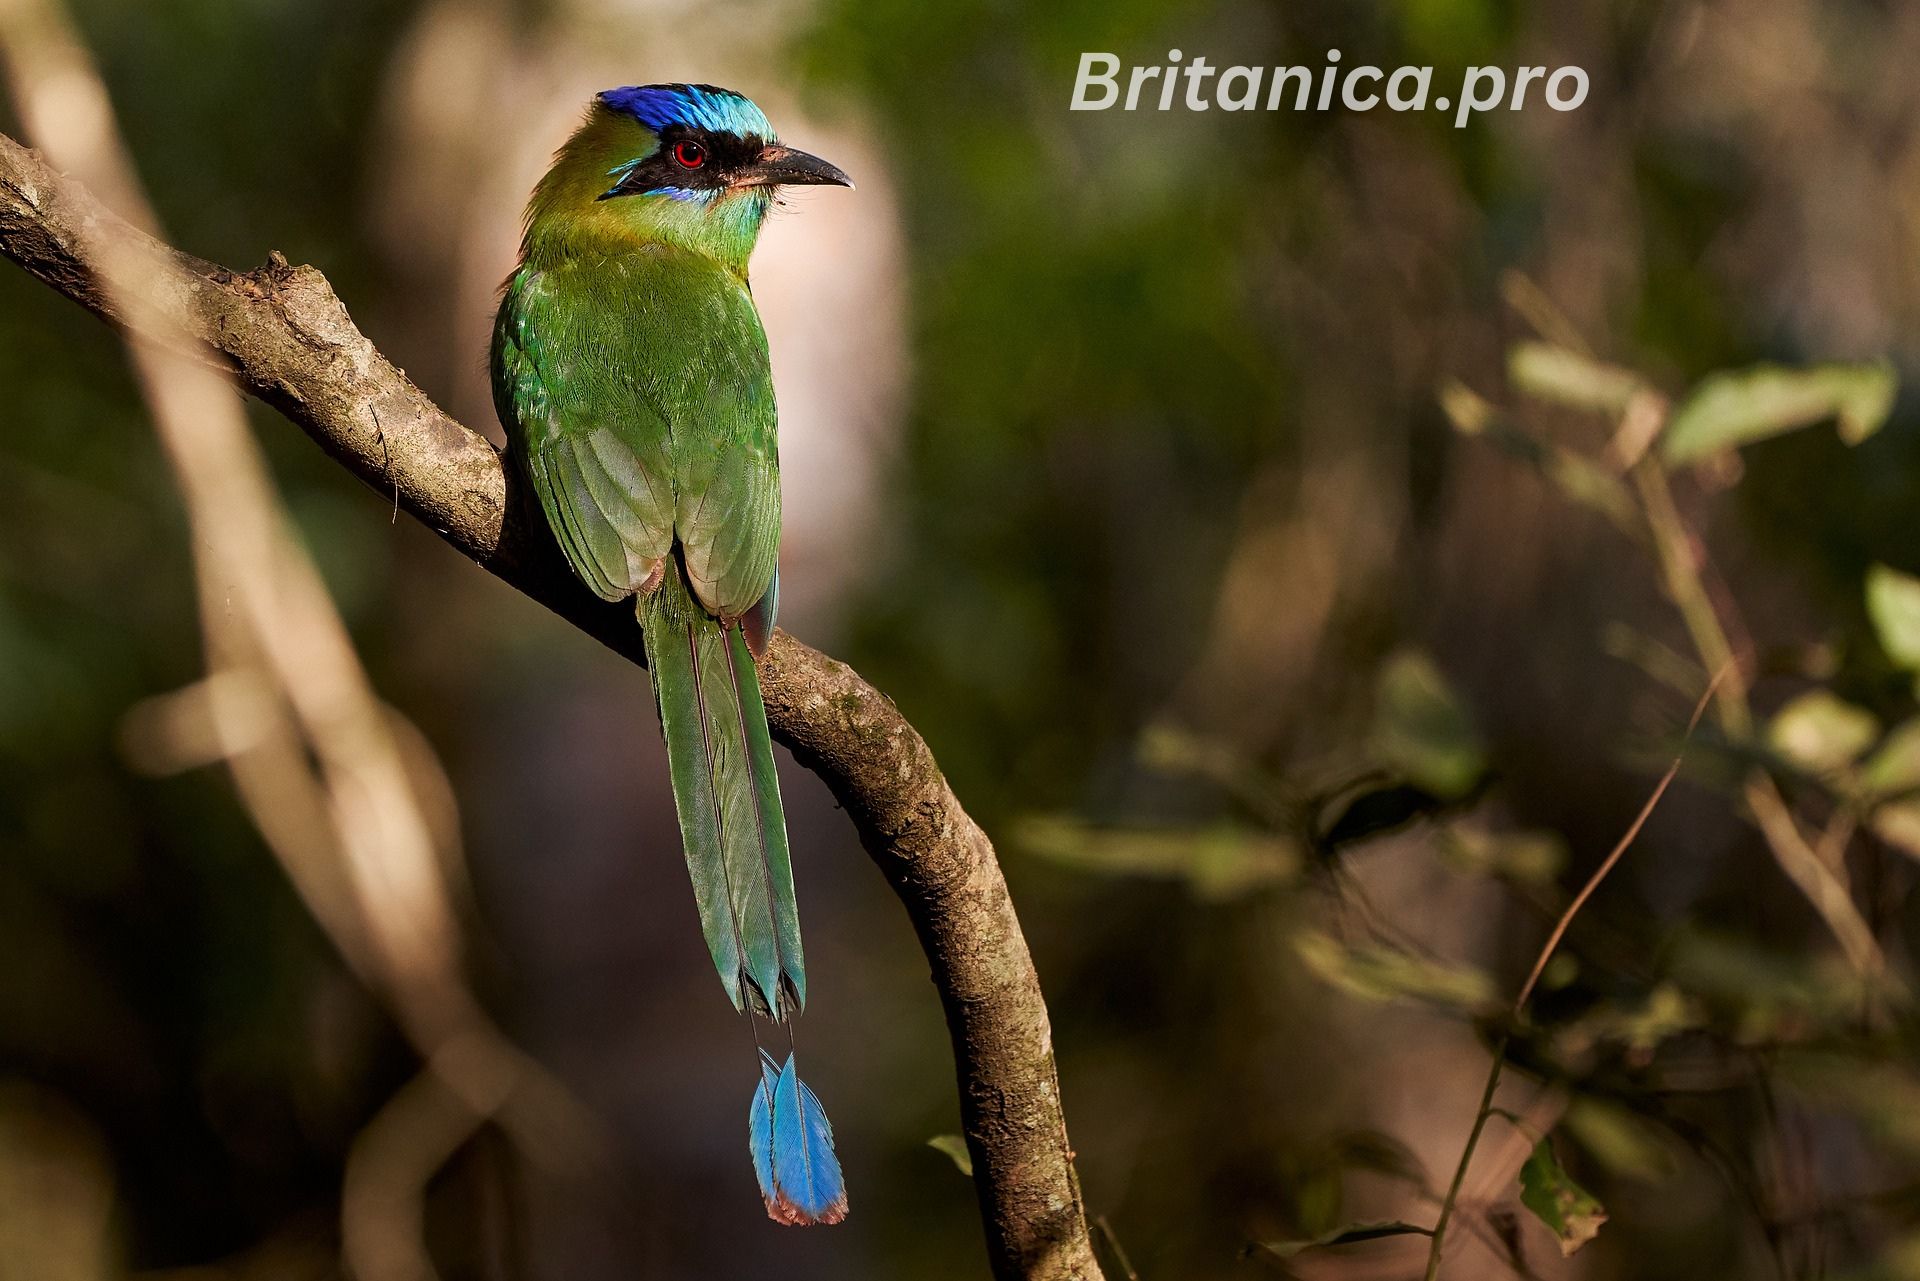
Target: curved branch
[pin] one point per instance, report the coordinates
(285, 337)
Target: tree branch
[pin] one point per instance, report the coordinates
(285, 337)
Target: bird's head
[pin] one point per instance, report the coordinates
(688, 165)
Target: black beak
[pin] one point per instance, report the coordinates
(780, 166)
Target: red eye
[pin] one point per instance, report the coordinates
(689, 155)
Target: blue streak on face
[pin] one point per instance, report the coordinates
(619, 175)
(701, 196)
(695, 106)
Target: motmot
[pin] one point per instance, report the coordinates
(630, 371)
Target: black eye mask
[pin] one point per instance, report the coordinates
(720, 157)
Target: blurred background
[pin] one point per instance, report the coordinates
(1260, 515)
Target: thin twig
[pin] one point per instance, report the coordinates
(1480, 1116)
(1613, 856)
(1678, 553)
(1118, 1251)
(1823, 883)
(1485, 1110)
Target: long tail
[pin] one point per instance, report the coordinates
(724, 787)
(728, 796)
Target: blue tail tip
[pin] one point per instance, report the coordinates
(792, 1144)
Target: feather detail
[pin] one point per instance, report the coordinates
(757, 623)
(775, 861)
(682, 720)
(792, 1143)
(720, 758)
(760, 1132)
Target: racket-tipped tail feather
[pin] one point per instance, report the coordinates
(792, 1144)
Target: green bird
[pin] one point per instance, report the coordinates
(630, 371)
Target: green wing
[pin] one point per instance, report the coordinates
(715, 388)
(640, 400)
(599, 462)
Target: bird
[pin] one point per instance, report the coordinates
(630, 371)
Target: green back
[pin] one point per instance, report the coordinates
(636, 390)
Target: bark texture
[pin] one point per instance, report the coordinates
(285, 337)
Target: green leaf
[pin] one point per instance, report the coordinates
(1890, 780)
(1893, 603)
(1421, 730)
(1770, 993)
(1168, 749)
(1220, 862)
(1526, 858)
(954, 1147)
(1822, 733)
(1638, 1025)
(1731, 409)
(1552, 373)
(1620, 1140)
(1894, 767)
(1351, 1235)
(1376, 973)
(1570, 1211)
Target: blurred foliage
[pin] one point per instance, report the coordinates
(1420, 731)
(1216, 863)
(1893, 602)
(1821, 733)
(1728, 410)
(1834, 1029)
(1374, 973)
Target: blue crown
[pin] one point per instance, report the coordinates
(695, 106)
